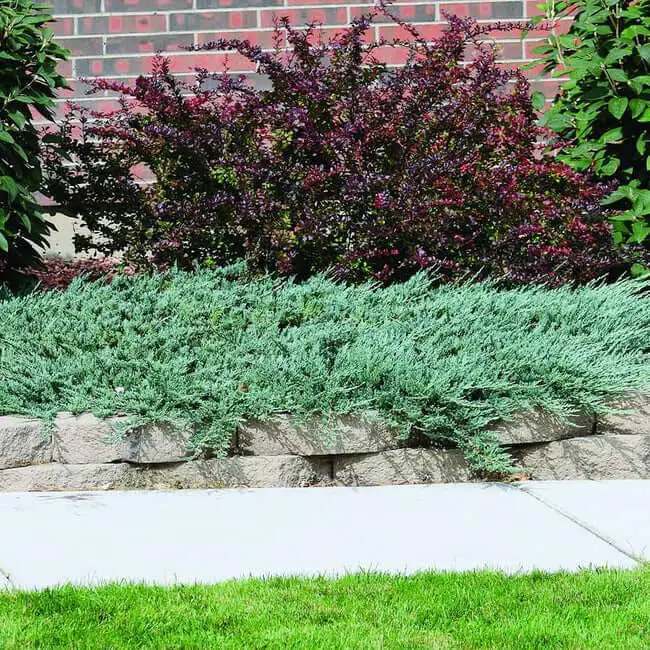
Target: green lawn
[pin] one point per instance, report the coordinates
(593, 609)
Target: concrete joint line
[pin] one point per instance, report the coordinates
(567, 515)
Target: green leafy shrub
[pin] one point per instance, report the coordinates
(28, 79)
(209, 349)
(602, 113)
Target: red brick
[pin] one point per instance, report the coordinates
(145, 43)
(83, 46)
(63, 7)
(119, 6)
(505, 51)
(213, 61)
(412, 13)
(547, 86)
(64, 68)
(391, 55)
(263, 39)
(297, 17)
(428, 32)
(124, 66)
(315, 3)
(192, 21)
(122, 24)
(62, 26)
(243, 4)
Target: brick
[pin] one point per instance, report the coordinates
(214, 20)
(242, 4)
(486, 10)
(428, 32)
(263, 39)
(136, 65)
(83, 46)
(391, 55)
(63, 7)
(119, 6)
(412, 13)
(328, 16)
(315, 3)
(505, 51)
(122, 24)
(64, 68)
(147, 44)
(62, 26)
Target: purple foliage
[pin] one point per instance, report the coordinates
(344, 162)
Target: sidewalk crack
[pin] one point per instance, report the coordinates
(603, 538)
(7, 577)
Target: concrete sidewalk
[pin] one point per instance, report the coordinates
(207, 536)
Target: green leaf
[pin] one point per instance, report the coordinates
(556, 121)
(634, 30)
(10, 186)
(4, 244)
(645, 116)
(612, 135)
(640, 230)
(639, 271)
(637, 106)
(609, 168)
(539, 100)
(617, 106)
(616, 74)
(644, 52)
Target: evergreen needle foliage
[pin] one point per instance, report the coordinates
(209, 349)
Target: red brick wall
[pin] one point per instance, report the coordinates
(118, 38)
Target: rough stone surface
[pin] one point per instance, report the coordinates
(637, 421)
(87, 439)
(57, 476)
(240, 471)
(593, 457)
(537, 426)
(273, 471)
(346, 435)
(23, 442)
(158, 443)
(402, 466)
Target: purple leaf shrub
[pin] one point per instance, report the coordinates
(341, 162)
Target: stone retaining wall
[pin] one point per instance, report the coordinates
(83, 452)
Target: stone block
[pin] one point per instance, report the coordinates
(593, 457)
(635, 421)
(156, 443)
(84, 438)
(239, 471)
(87, 439)
(537, 426)
(402, 466)
(23, 442)
(57, 476)
(251, 471)
(345, 435)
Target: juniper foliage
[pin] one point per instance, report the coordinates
(210, 349)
